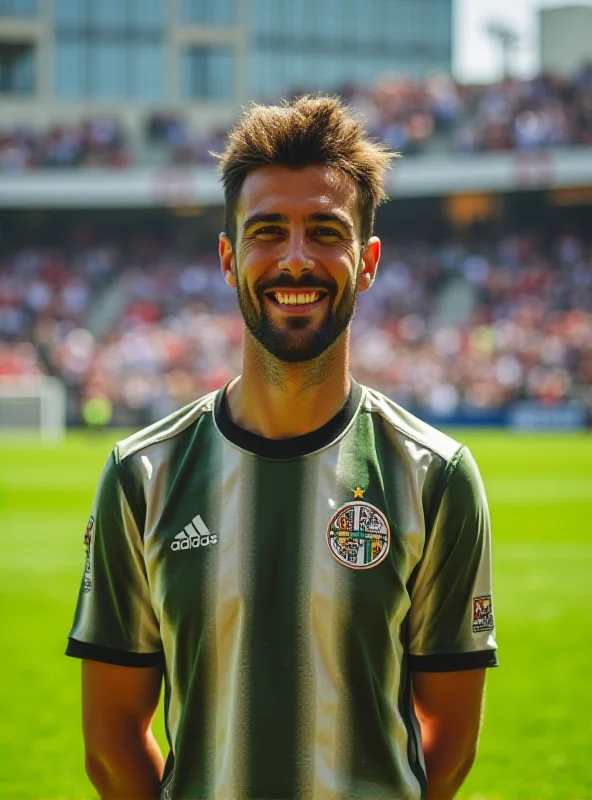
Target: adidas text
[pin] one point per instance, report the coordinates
(194, 535)
(189, 542)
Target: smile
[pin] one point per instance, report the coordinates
(291, 298)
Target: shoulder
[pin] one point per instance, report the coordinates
(165, 430)
(405, 429)
(442, 469)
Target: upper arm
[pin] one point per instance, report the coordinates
(449, 707)
(115, 631)
(114, 609)
(117, 700)
(451, 617)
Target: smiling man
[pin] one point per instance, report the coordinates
(304, 563)
(295, 297)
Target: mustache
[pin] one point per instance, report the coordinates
(284, 281)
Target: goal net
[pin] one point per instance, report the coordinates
(33, 407)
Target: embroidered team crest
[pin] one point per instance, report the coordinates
(87, 543)
(359, 535)
(482, 614)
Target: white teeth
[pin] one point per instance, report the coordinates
(293, 299)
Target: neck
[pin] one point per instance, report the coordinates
(279, 400)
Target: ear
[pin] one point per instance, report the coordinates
(227, 263)
(370, 259)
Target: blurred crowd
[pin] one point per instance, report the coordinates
(409, 115)
(445, 328)
(95, 142)
(527, 115)
(479, 328)
(45, 299)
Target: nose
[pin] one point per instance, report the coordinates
(296, 260)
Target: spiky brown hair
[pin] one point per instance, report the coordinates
(299, 133)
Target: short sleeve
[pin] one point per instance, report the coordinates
(451, 624)
(114, 620)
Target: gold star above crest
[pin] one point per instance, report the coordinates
(358, 493)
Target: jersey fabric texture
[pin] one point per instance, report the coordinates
(288, 588)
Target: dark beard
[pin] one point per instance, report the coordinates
(287, 345)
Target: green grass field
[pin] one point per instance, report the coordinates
(537, 738)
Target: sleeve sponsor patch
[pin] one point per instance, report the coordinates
(482, 614)
(87, 546)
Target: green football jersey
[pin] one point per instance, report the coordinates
(289, 588)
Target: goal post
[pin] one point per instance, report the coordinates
(34, 407)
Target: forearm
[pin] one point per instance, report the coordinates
(446, 769)
(130, 768)
(448, 707)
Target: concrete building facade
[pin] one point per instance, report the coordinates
(565, 39)
(66, 58)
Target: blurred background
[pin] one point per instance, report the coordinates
(113, 311)
(110, 205)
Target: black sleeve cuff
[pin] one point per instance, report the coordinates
(454, 662)
(108, 655)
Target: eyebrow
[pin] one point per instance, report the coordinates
(255, 219)
(320, 216)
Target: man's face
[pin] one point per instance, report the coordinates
(298, 261)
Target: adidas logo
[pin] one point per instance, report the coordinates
(196, 534)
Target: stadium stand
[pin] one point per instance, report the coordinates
(413, 117)
(94, 142)
(447, 326)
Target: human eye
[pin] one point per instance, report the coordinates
(324, 232)
(268, 232)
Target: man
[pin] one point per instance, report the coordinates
(304, 562)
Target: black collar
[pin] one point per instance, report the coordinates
(287, 448)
